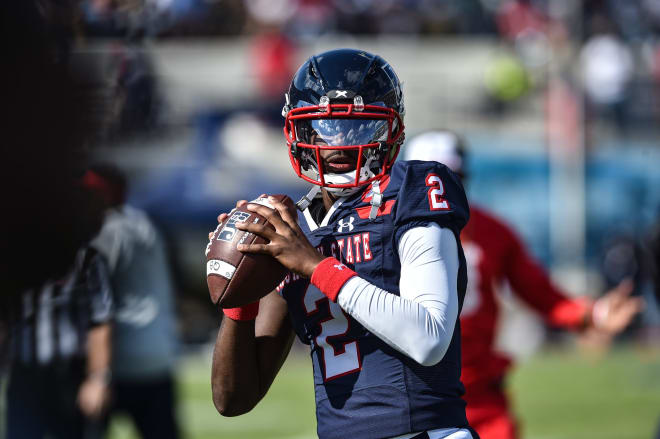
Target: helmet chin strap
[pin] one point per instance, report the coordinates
(343, 191)
(349, 178)
(306, 200)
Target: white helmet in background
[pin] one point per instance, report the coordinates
(442, 146)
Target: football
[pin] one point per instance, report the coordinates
(236, 279)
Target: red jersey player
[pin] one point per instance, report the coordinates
(495, 255)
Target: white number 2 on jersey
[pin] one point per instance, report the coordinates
(436, 202)
(346, 358)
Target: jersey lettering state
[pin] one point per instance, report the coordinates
(364, 388)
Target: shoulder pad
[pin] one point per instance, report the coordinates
(428, 191)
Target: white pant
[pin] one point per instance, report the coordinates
(441, 433)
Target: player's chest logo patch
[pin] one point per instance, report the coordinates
(345, 224)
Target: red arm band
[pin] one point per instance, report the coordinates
(330, 275)
(573, 314)
(244, 313)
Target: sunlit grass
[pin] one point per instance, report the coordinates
(558, 394)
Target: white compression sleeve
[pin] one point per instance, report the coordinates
(420, 321)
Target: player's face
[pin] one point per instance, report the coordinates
(343, 132)
(336, 161)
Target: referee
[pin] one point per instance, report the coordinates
(59, 353)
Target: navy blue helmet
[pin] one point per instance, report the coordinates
(344, 99)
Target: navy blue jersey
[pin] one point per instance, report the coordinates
(364, 388)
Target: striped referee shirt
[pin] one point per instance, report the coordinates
(49, 325)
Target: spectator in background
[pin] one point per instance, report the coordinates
(312, 20)
(652, 55)
(144, 335)
(59, 351)
(516, 17)
(273, 57)
(495, 255)
(135, 94)
(506, 81)
(273, 54)
(607, 71)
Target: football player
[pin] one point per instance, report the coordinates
(495, 255)
(377, 272)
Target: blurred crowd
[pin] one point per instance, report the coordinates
(637, 20)
(607, 50)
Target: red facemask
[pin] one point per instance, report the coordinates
(372, 133)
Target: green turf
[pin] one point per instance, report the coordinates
(287, 411)
(558, 394)
(563, 395)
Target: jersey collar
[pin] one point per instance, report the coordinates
(305, 201)
(357, 198)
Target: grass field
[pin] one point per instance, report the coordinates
(557, 394)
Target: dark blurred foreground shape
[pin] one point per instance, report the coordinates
(46, 122)
(50, 321)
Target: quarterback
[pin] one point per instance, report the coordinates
(377, 272)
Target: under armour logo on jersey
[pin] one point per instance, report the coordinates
(346, 226)
(341, 94)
